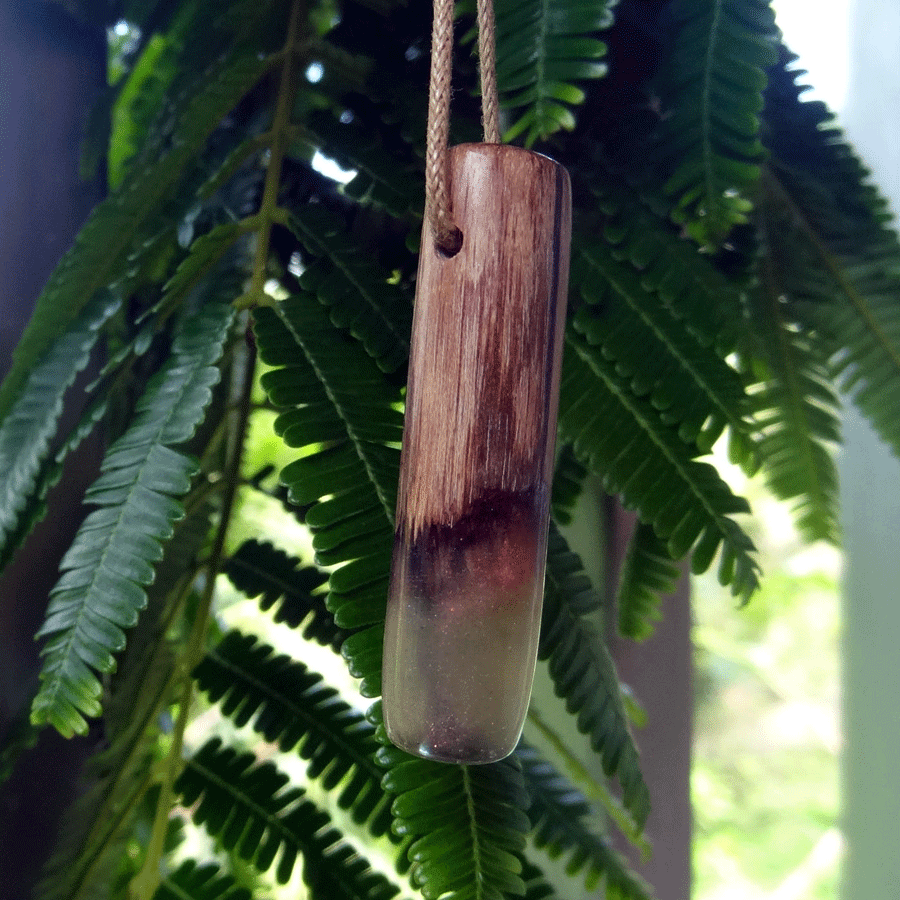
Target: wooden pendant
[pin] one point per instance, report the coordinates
(467, 578)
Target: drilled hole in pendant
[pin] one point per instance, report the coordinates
(451, 244)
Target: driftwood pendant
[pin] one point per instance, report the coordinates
(467, 578)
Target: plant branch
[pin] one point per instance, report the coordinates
(145, 884)
(280, 133)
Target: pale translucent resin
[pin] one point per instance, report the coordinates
(461, 637)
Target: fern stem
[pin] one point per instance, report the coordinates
(592, 788)
(148, 879)
(472, 819)
(269, 213)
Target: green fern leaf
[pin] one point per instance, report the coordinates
(686, 283)
(260, 570)
(111, 559)
(192, 881)
(561, 823)
(250, 809)
(689, 383)
(621, 438)
(289, 705)
(543, 48)
(467, 823)
(833, 253)
(352, 478)
(648, 574)
(584, 674)
(343, 278)
(91, 850)
(116, 234)
(536, 885)
(797, 407)
(26, 432)
(711, 87)
(568, 483)
(34, 507)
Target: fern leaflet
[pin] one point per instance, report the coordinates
(797, 408)
(28, 428)
(560, 817)
(648, 573)
(543, 46)
(191, 881)
(106, 246)
(568, 482)
(711, 86)
(689, 383)
(351, 478)
(373, 310)
(258, 569)
(248, 807)
(838, 257)
(101, 588)
(687, 501)
(584, 674)
(291, 706)
(467, 823)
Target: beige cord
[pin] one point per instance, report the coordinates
(437, 182)
(487, 62)
(437, 187)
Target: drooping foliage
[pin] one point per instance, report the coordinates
(732, 269)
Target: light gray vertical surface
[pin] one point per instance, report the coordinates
(870, 487)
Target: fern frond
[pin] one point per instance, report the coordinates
(711, 87)
(686, 500)
(543, 48)
(836, 257)
(91, 845)
(258, 569)
(249, 809)
(192, 881)
(467, 823)
(34, 506)
(797, 407)
(688, 382)
(351, 478)
(104, 572)
(584, 674)
(359, 297)
(117, 233)
(536, 885)
(685, 282)
(568, 482)
(561, 826)
(30, 425)
(291, 706)
(648, 574)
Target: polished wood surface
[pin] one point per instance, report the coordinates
(487, 337)
(464, 607)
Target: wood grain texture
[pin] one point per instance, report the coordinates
(464, 606)
(487, 338)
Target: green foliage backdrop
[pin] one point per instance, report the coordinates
(732, 271)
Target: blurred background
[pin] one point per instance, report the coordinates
(795, 782)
